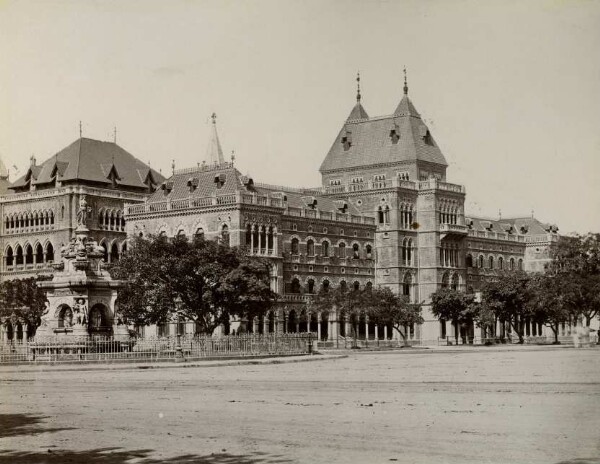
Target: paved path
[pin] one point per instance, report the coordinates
(476, 406)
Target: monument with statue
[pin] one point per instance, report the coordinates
(82, 296)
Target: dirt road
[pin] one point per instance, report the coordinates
(496, 406)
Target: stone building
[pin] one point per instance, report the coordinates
(39, 209)
(384, 215)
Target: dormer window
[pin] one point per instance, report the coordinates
(426, 135)
(347, 140)
(524, 229)
(220, 180)
(167, 187)
(394, 135)
(341, 205)
(192, 183)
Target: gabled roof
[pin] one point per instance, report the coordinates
(367, 142)
(88, 160)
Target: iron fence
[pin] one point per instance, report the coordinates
(153, 349)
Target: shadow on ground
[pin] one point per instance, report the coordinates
(118, 456)
(12, 425)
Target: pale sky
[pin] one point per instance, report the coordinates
(510, 90)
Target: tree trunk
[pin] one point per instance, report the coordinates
(515, 326)
(554, 328)
(405, 343)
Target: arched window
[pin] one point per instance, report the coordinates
(356, 286)
(355, 251)
(9, 256)
(406, 286)
(469, 261)
(342, 250)
(39, 254)
(28, 255)
(380, 217)
(19, 254)
(386, 215)
(105, 251)
(343, 286)
(124, 248)
(325, 285)
(480, 261)
(500, 263)
(369, 252)
(295, 286)
(248, 235)
(65, 317)
(270, 238)
(311, 286)
(310, 248)
(114, 253)
(295, 246)
(409, 252)
(49, 253)
(325, 248)
(455, 282)
(520, 265)
(445, 280)
(199, 234)
(491, 261)
(512, 264)
(181, 233)
(225, 235)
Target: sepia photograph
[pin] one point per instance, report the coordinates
(299, 231)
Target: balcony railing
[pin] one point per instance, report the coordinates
(454, 229)
(499, 236)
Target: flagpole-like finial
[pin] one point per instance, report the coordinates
(358, 87)
(173, 166)
(405, 82)
(115, 135)
(214, 118)
(80, 130)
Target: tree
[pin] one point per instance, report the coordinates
(576, 259)
(199, 280)
(550, 300)
(388, 309)
(21, 300)
(343, 301)
(508, 296)
(455, 306)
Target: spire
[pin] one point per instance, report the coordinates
(358, 112)
(214, 153)
(405, 107)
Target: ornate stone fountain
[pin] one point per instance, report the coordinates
(82, 296)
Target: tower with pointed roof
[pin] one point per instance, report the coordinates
(214, 152)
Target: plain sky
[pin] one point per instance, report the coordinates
(510, 89)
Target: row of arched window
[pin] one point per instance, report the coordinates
(260, 239)
(406, 216)
(449, 254)
(28, 255)
(26, 221)
(383, 214)
(492, 263)
(451, 281)
(448, 213)
(221, 237)
(326, 250)
(295, 286)
(109, 219)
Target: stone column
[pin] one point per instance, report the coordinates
(319, 326)
(266, 324)
(376, 332)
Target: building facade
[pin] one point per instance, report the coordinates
(385, 214)
(39, 209)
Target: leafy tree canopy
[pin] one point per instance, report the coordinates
(21, 300)
(199, 280)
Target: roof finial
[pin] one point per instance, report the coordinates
(173, 166)
(232, 156)
(358, 87)
(80, 130)
(405, 82)
(214, 118)
(115, 135)
(499, 214)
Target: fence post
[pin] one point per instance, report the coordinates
(179, 358)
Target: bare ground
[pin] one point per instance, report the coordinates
(477, 406)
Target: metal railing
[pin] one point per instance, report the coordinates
(102, 349)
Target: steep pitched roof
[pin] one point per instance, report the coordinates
(517, 226)
(358, 112)
(88, 160)
(402, 136)
(206, 181)
(214, 152)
